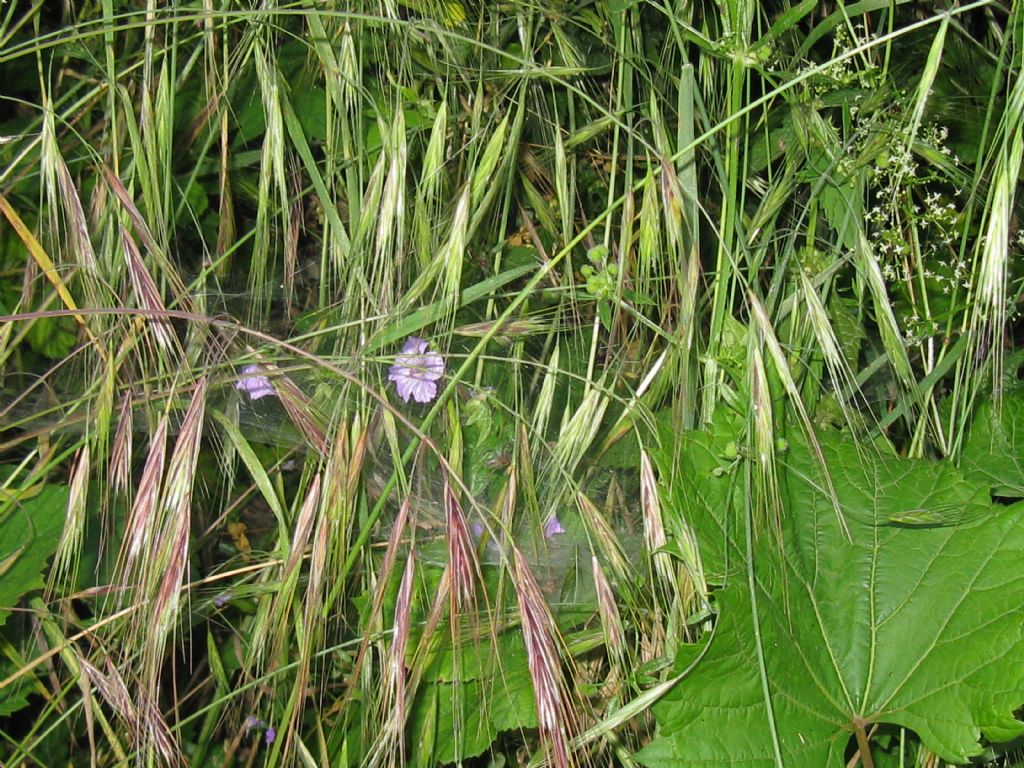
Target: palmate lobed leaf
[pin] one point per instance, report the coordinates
(914, 626)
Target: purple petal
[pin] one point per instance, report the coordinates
(254, 383)
(252, 722)
(414, 345)
(270, 736)
(416, 370)
(423, 391)
(553, 527)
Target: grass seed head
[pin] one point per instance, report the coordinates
(554, 712)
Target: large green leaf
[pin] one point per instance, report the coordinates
(494, 694)
(29, 531)
(993, 452)
(917, 626)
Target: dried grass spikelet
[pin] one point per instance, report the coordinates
(604, 536)
(154, 561)
(778, 357)
(989, 317)
(839, 369)
(279, 625)
(69, 548)
(427, 202)
(389, 748)
(461, 553)
(768, 501)
(148, 296)
(611, 621)
(462, 573)
(142, 520)
(154, 732)
(182, 299)
(173, 538)
(317, 570)
(387, 566)
(654, 531)
(312, 621)
(144, 722)
(555, 716)
(299, 407)
(121, 451)
(391, 213)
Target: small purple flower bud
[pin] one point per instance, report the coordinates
(270, 736)
(417, 371)
(477, 529)
(254, 383)
(221, 600)
(252, 722)
(553, 527)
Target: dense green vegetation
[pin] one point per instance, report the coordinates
(424, 382)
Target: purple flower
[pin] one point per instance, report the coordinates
(269, 733)
(220, 601)
(254, 382)
(416, 371)
(553, 527)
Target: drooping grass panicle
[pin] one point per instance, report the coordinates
(121, 451)
(575, 438)
(390, 747)
(148, 297)
(987, 323)
(768, 501)
(838, 366)
(778, 358)
(175, 512)
(180, 297)
(142, 519)
(611, 622)
(603, 535)
(349, 176)
(462, 561)
(399, 530)
(556, 717)
(654, 532)
(69, 548)
(302, 411)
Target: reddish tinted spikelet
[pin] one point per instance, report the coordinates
(121, 452)
(554, 716)
(461, 553)
(147, 294)
(141, 520)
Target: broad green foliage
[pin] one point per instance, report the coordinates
(493, 694)
(29, 531)
(993, 453)
(913, 625)
(30, 527)
(654, 244)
